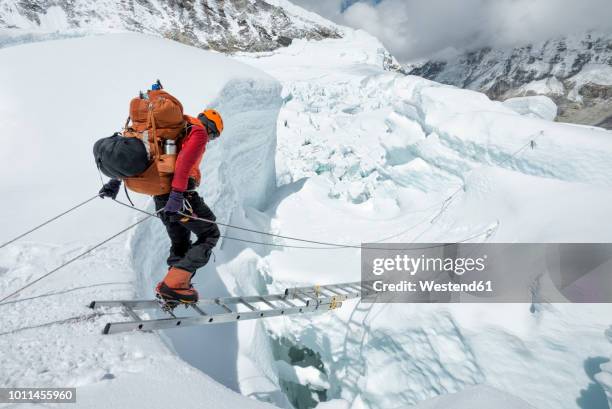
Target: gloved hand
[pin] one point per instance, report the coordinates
(174, 203)
(110, 189)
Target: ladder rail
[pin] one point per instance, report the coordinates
(167, 323)
(144, 304)
(295, 300)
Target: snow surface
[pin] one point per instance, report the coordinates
(59, 97)
(474, 398)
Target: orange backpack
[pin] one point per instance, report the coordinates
(155, 118)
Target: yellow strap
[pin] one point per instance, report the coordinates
(333, 304)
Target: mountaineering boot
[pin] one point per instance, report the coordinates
(176, 286)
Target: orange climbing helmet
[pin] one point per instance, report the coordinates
(212, 121)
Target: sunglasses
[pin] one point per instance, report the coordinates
(211, 127)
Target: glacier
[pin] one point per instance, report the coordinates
(377, 155)
(321, 142)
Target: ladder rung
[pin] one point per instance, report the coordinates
(198, 309)
(293, 293)
(321, 293)
(268, 303)
(331, 290)
(366, 286)
(307, 302)
(307, 294)
(249, 306)
(286, 301)
(348, 291)
(131, 313)
(225, 307)
(354, 286)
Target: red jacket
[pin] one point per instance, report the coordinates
(188, 160)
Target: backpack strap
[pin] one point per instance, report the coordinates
(127, 194)
(151, 120)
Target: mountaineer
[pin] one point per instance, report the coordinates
(167, 167)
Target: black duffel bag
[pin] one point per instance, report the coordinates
(120, 157)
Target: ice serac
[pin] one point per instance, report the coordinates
(381, 154)
(225, 25)
(574, 70)
(537, 106)
(244, 163)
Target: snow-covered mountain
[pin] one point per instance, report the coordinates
(575, 71)
(224, 25)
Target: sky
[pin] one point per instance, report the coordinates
(418, 29)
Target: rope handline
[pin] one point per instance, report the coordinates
(74, 259)
(48, 221)
(446, 203)
(334, 246)
(330, 245)
(486, 232)
(69, 320)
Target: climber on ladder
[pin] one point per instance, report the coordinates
(159, 154)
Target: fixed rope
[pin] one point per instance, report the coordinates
(32, 230)
(329, 245)
(447, 202)
(72, 260)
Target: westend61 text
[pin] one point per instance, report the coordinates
(432, 286)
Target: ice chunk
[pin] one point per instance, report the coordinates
(539, 106)
(303, 375)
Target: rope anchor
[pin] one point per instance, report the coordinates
(333, 304)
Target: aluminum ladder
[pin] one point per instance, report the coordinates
(231, 309)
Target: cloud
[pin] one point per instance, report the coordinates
(416, 29)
